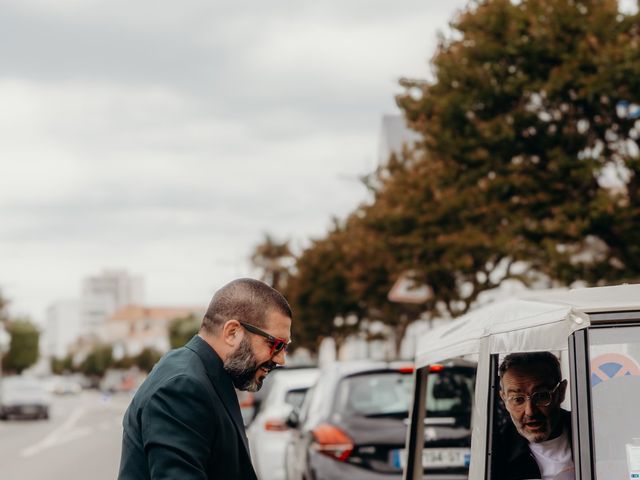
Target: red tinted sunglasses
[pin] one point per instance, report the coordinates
(277, 344)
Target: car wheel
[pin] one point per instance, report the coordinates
(45, 414)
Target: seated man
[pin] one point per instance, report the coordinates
(536, 444)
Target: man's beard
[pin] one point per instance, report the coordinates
(242, 366)
(546, 430)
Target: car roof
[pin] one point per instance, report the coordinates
(352, 367)
(533, 320)
(296, 377)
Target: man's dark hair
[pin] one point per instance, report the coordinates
(245, 299)
(529, 359)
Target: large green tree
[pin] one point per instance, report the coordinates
(23, 346)
(529, 144)
(527, 169)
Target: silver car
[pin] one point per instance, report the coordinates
(23, 397)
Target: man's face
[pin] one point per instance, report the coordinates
(536, 423)
(250, 363)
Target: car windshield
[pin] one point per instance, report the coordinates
(375, 394)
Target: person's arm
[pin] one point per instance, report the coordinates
(177, 430)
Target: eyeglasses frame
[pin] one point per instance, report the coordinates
(274, 341)
(528, 398)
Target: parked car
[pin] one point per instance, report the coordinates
(251, 402)
(63, 385)
(23, 397)
(269, 433)
(353, 423)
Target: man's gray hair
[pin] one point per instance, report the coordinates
(529, 359)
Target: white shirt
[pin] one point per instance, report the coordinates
(554, 457)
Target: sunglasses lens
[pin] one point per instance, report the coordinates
(278, 346)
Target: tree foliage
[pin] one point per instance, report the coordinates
(182, 329)
(274, 260)
(23, 346)
(60, 366)
(528, 170)
(99, 360)
(147, 358)
(319, 291)
(3, 307)
(535, 160)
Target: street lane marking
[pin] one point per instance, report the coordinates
(61, 435)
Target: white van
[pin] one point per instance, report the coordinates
(595, 333)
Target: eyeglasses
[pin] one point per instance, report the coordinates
(277, 344)
(538, 399)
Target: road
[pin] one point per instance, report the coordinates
(80, 440)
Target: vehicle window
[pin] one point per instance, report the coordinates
(528, 411)
(448, 400)
(375, 394)
(450, 392)
(306, 404)
(295, 397)
(614, 354)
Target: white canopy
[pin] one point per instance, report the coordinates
(534, 320)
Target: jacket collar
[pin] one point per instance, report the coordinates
(221, 382)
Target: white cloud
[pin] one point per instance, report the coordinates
(166, 138)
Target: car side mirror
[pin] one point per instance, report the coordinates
(293, 419)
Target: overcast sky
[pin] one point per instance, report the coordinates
(167, 137)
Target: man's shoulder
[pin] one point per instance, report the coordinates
(178, 366)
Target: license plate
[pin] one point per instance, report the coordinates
(29, 410)
(435, 457)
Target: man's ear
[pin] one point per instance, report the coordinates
(562, 390)
(232, 333)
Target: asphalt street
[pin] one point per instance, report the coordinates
(80, 440)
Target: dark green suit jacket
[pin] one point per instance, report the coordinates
(184, 422)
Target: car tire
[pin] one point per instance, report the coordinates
(45, 414)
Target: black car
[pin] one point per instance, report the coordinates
(353, 424)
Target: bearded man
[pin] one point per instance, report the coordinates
(184, 422)
(536, 444)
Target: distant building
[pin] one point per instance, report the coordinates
(132, 328)
(103, 294)
(394, 134)
(62, 327)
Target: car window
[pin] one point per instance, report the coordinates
(375, 394)
(615, 388)
(450, 392)
(295, 397)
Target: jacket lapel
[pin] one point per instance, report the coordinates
(221, 383)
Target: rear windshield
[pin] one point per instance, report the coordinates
(375, 394)
(295, 397)
(450, 392)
